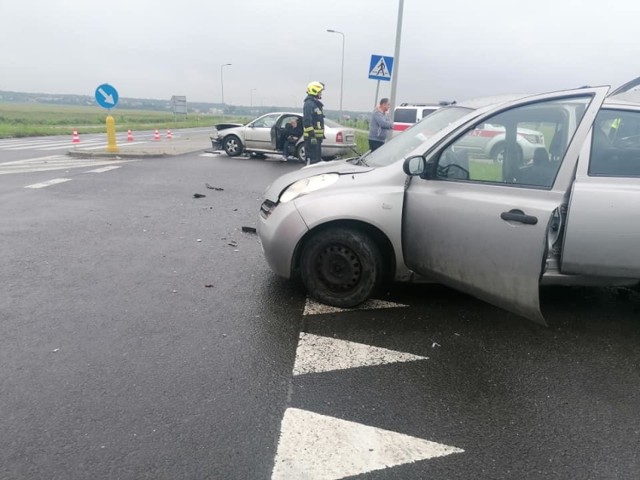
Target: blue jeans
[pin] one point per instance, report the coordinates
(285, 147)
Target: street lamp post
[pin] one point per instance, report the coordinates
(251, 99)
(396, 59)
(222, 81)
(341, 70)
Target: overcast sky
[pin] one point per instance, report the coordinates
(450, 49)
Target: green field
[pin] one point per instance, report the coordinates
(30, 120)
(26, 120)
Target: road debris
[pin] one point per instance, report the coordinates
(233, 243)
(219, 189)
(249, 229)
(198, 195)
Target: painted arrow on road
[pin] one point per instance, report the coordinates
(324, 354)
(319, 447)
(314, 308)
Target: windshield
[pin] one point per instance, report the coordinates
(398, 147)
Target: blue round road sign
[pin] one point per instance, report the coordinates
(106, 96)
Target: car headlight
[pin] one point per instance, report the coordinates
(308, 185)
(535, 139)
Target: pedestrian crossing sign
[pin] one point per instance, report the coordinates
(380, 68)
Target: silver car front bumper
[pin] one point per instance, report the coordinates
(280, 228)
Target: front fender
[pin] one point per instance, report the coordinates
(378, 209)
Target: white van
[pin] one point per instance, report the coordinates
(409, 113)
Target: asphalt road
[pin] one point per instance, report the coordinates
(142, 335)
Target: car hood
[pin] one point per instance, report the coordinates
(224, 126)
(341, 167)
(227, 128)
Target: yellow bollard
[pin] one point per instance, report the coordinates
(111, 135)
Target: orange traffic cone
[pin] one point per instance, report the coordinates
(169, 135)
(156, 136)
(76, 137)
(129, 136)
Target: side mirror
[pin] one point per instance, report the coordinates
(415, 166)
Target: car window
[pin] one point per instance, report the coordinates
(405, 115)
(521, 146)
(332, 124)
(427, 111)
(267, 121)
(615, 144)
(287, 118)
(397, 148)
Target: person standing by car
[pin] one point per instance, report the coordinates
(381, 125)
(292, 132)
(313, 122)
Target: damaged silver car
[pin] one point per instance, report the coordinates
(424, 206)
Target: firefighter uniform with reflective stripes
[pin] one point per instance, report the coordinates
(313, 124)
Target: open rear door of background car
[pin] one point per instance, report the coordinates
(490, 239)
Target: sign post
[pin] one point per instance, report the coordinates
(107, 97)
(380, 68)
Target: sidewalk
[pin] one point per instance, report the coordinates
(151, 149)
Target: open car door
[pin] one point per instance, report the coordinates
(484, 226)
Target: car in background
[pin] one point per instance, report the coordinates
(422, 206)
(263, 135)
(408, 114)
(489, 140)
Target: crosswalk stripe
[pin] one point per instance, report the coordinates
(89, 144)
(104, 169)
(53, 162)
(48, 183)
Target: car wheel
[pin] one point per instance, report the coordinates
(232, 146)
(341, 267)
(300, 153)
(498, 153)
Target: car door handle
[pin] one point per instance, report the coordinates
(519, 216)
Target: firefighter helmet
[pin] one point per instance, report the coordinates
(314, 88)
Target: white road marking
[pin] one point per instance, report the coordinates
(324, 354)
(52, 162)
(45, 146)
(104, 169)
(48, 183)
(314, 308)
(48, 145)
(319, 447)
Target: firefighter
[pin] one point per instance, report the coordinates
(313, 122)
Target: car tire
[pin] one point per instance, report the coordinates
(497, 153)
(300, 153)
(232, 146)
(341, 267)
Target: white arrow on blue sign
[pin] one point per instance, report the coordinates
(381, 67)
(106, 96)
